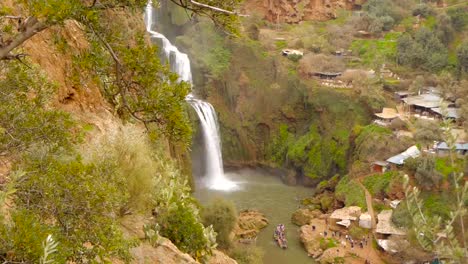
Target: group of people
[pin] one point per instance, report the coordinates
(338, 235)
(280, 235)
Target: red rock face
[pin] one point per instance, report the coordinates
(295, 11)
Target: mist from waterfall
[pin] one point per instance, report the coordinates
(180, 63)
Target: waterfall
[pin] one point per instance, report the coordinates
(180, 63)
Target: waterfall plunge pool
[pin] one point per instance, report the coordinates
(260, 190)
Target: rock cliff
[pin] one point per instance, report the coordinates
(295, 11)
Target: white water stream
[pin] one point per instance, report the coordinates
(180, 64)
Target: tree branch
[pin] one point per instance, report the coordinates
(33, 26)
(216, 8)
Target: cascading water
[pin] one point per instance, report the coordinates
(180, 64)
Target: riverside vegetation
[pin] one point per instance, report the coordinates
(273, 114)
(67, 180)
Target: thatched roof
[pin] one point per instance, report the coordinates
(387, 113)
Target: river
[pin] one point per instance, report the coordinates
(259, 190)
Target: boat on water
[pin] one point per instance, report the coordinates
(280, 236)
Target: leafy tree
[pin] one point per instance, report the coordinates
(423, 10)
(426, 132)
(426, 175)
(221, 214)
(140, 87)
(444, 29)
(55, 188)
(423, 50)
(459, 17)
(462, 55)
(24, 120)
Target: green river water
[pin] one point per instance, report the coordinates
(259, 190)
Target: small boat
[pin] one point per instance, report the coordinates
(280, 236)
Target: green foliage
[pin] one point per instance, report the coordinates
(357, 232)
(72, 193)
(437, 204)
(207, 45)
(281, 44)
(247, 254)
(382, 14)
(429, 225)
(423, 50)
(459, 17)
(178, 214)
(423, 10)
(279, 146)
(182, 227)
(24, 120)
(50, 247)
(372, 142)
(378, 184)
(462, 56)
(426, 175)
(220, 214)
(326, 243)
(371, 50)
(23, 237)
(350, 192)
(401, 216)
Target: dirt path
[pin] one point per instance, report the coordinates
(370, 208)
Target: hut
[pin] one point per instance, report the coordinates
(380, 166)
(325, 75)
(443, 149)
(447, 113)
(398, 160)
(400, 95)
(423, 103)
(386, 116)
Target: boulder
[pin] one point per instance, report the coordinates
(303, 216)
(311, 240)
(365, 220)
(249, 224)
(219, 257)
(330, 255)
(165, 252)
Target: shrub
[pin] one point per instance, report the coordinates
(311, 63)
(182, 227)
(83, 199)
(401, 216)
(423, 10)
(378, 184)
(423, 50)
(357, 232)
(247, 254)
(221, 214)
(326, 243)
(351, 193)
(24, 119)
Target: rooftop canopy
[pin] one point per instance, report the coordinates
(411, 152)
(427, 100)
(458, 146)
(387, 113)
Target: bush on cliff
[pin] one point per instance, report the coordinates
(350, 193)
(221, 214)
